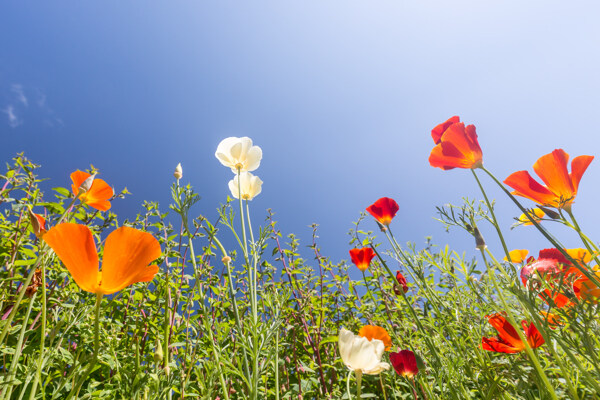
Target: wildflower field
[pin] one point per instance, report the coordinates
(96, 306)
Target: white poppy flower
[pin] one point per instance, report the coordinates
(360, 353)
(250, 186)
(238, 153)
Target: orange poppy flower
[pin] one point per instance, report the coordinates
(508, 340)
(127, 253)
(98, 194)
(376, 332)
(561, 186)
(456, 146)
(362, 257)
(384, 210)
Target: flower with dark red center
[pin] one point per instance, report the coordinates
(456, 146)
(384, 210)
(561, 186)
(508, 340)
(362, 257)
(405, 363)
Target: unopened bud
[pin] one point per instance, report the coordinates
(382, 227)
(38, 223)
(552, 214)
(178, 174)
(87, 184)
(158, 352)
(226, 260)
(479, 240)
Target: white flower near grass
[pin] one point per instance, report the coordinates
(250, 186)
(239, 154)
(361, 354)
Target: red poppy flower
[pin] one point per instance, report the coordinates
(456, 146)
(561, 186)
(98, 194)
(402, 282)
(384, 210)
(127, 253)
(508, 340)
(405, 363)
(376, 332)
(362, 257)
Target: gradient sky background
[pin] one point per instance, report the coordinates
(340, 95)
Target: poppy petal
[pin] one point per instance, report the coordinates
(534, 338)
(506, 331)
(526, 186)
(578, 167)
(552, 169)
(74, 245)
(438, 131)
(127, 253)
(497, 345)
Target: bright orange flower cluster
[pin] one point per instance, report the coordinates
(508, 340)
(561, 186)
(127, 253)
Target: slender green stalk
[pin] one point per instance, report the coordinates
(495, 220)
(94, 360)
(584, 238)
(348, 385)
(358, 374)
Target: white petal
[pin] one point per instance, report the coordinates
(382, 366)
(345, 340)
(253, 158)
(233, 188)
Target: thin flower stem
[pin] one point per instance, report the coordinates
(382, 386)
(583, 237)
(495, 220)
(358, 374)
(94, 360)
(348, 385)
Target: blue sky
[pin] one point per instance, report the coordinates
(340, 95)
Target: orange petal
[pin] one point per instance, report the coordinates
(127, 253)
(505, 330)
(98, 195)
(78, 177)
(438, 131)
(526, 186)
(552, 168)
(578, 167)
(534, 338)
(580, 254)
(497, 345)
(376, 332)
(74, 245)
(517, 256)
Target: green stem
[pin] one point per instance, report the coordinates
(94, 360)
(584, 238)
(348, 385)
(495, 220)
(358, 374)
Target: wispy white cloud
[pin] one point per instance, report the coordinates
(17, 90)
(13, 119)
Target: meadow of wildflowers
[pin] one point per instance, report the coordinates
(170, 305)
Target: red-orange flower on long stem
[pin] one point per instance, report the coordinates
(376, 332)
(384, 210)
(401, 282)
(98, 194)
(561, 186)
(508, 340)
(362, 257)
(456, 146)
(127, 253)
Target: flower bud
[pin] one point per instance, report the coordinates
(87, 184)
(479, 240)
(226, 260)
(158, 352)
(178, 174)
(38, 223)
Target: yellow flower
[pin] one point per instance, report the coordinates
(536, 213)
(517, 256)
